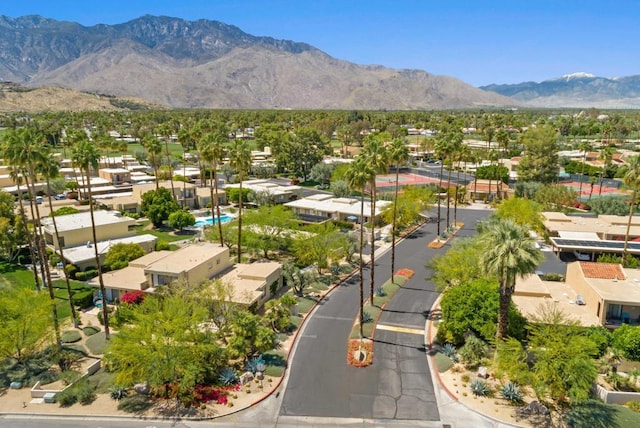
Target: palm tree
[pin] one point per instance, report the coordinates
(26, 149)
(463, 155)
(357, 176)
(631, 179)
(211, 150)
(153, 147)
(49, 170)
(509, 253)
(166, 130)
(240, 160)
(442, 151)
(585, 146)
(184, 138)
(502, 137)
(398, 154)
(85, 156)
(375, 155)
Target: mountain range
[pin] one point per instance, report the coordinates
(580, 89)
(209, 64)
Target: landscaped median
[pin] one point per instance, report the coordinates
(445, 236)
(360, 349)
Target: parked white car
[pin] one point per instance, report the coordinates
(582, 256)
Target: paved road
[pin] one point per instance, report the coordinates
(398, 385)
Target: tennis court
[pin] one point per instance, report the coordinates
(387, 182)
(598, 190)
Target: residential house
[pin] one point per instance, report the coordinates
(593, 293)
(279, 194)
(323, 207)
(76, 229)
(253, 284)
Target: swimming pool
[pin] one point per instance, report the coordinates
(208, 221)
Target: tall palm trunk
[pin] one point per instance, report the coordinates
(240, 222)
(184, 178)
(438, 195)
(166, 150)
(103, 292)
(30, 238)
(215, 200)
(448, 197)
(393, 225)
(455, 198)
(360, 268)
(74, 315)
(372, 223)
(632, 205)
(503, 312)
(44, 263)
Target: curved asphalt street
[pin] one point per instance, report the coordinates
(398, 385)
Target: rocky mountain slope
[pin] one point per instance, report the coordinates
(575, 90)
(205, 63)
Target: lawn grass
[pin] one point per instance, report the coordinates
(367, 328)
(626, 417)
(594, 413)
(164, 234)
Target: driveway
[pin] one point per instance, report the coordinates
(398, 385)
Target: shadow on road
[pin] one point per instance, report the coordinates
(421, 348)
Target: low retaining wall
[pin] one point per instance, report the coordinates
(36, 392)
(615, 397)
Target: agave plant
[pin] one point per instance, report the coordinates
(366, 317)
(117, 393)
(380, 292)
(479, 388)
(511, 392)
(228, 376)
(255, 364)
(450, 351)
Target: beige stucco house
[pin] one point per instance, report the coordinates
(76, 229)
(323, 207)
(593, 293)
(253, 283)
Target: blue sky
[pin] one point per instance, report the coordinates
(499, 41)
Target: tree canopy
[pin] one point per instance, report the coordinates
(157, 205)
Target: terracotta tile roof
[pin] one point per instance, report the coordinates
(602, 270)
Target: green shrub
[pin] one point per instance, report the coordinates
(86, 275)
(71, 271)
(83, 299)
(443, 363)
(66, 397)
(162, 245)
(96, 343)
(91, 330)
(558, 277)
(135, 404)
(85, 391)
(633, 405)
(70, 336)
(627, 339)
(473, 351)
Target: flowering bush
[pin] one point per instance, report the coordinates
(365, 346)
(206, 394)
(407, 273)
(132, 297)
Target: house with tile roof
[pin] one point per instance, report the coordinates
(593, 293)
